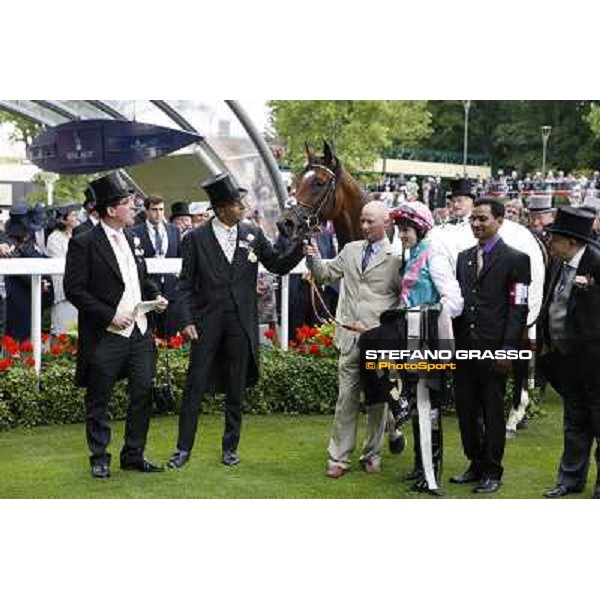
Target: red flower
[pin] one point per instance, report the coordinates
(176, 341)
(45, 337)
(314, 349)
(7, 341)
(5, 363)
(56, 349)
(27, 347)
(293, 344)
(327, 341)
(63, 338)
(29, 361)
(270, 334)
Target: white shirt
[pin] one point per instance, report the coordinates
(226, 236)
(132, 294)
(162, 231)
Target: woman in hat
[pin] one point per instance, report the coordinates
(20, 235)
(64, 314)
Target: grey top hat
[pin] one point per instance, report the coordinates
(539, 204)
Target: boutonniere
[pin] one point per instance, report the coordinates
(251, 255)
(137, 246)
(583, 282)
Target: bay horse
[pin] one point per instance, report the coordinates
(324, 192)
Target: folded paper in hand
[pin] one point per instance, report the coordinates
(141, 308)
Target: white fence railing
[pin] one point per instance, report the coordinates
(36, 267)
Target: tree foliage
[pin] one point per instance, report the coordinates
(508, 132)
(359, 129)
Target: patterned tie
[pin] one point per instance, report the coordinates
(479, 259)
(158, 243)
(564, 276)
(367, 256)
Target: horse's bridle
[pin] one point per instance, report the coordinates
(315, 218)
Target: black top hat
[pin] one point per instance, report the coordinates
(108, 190)
(222, 190)
(573, 222)
(90, 200)
(179, 209)
(462, 187)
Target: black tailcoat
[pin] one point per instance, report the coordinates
(208, 283)
(93, 284)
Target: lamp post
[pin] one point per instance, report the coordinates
(49, 180)
(467, 106)
(546, 129)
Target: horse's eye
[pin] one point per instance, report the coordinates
(317, 183)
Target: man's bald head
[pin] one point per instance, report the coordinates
(374, 220)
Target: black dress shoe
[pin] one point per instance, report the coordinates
(487, 486)
(558, 491)
(178, 459)
(230, 458)
(100, 471)
(468, 476)
(143, 466)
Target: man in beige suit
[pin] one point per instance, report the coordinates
(371, 284)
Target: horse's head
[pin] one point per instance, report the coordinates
(315, 197)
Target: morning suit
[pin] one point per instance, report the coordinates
(219, 297)
(364, 295)
(493, 318)
(571, 361)
(94, 283)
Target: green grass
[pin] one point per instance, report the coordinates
(282, 457)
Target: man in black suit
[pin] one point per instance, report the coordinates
(570, 353)
(106, 279)
(494, 280)
(218, 304)
(89, 205)
(161, 239)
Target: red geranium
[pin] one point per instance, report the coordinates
(314, 349)
(27, 347)
(5, 364)
(56, 349)
(270, 333)
(63, 338)
(29, 361)
(45, 337)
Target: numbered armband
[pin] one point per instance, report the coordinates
(518, 294)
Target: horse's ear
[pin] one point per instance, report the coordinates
(328, 153)
(310, 155)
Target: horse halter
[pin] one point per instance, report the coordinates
(310, 218)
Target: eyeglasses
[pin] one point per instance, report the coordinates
(126, 201)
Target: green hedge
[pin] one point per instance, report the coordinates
(290, 383)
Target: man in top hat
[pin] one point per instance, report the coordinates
(219, 311)
(181, 217)
(89, 206)
(570, 322)
(462, 196)
(106, 280)
(540, 214)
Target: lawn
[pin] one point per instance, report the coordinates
(282, 457)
